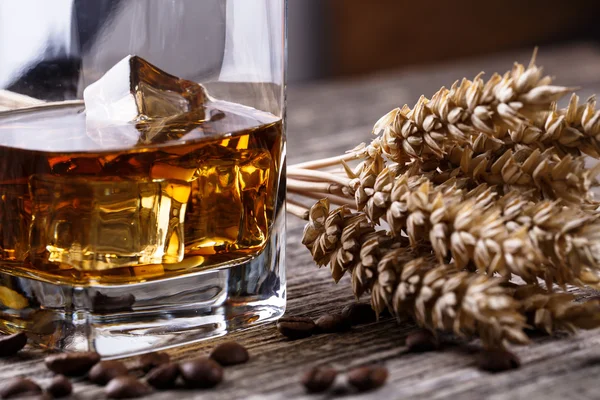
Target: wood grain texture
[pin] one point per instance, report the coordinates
(326, 119)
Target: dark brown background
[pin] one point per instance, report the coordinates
(333, 38)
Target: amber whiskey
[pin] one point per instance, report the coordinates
(80, 207)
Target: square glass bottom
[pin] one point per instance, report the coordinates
(123, 320)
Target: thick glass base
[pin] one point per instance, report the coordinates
(124, 320)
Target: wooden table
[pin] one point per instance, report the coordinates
(324, 120)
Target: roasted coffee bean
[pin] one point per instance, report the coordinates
(14, 387)
(105, 371)
(296, 327)
(498, 360)
(421, 341)
(201, 373)
(149, 361)
(11, 344)
(126, 387)
(368, 378)
(230, 353)
(318, 379)
(359, 313)
(72, 364)
(330, 323)
(60, 387)
(164, 376)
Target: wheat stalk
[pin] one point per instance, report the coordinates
(441, 298)
(545, 174)
(556, 311)
(573, 130)
(505, 235)
(376, 260)
(483, 182)
(511, 234)
(334, 238)
(494, 107)
(438, 297)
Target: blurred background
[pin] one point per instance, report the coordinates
(349, 38)
(328, 39)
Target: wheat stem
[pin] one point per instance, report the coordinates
(326, 162)
(334, 199)
(297, 209)
(315, 187)
(318, 176)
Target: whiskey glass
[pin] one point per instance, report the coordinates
(142, 171)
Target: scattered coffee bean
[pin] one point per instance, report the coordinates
(14, 387)
(296, 327)
(367, 378)
(60, 386)
(359, 313)
(164, 376)
(421, 341)
(201, 373)
(11, 344)
(105, 371)
(126, 387)
(149, 361)
(318, 379)
(230, 353)
(72, 364)
(330, 323)
(498, 360)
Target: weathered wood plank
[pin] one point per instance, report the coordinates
(324, 120)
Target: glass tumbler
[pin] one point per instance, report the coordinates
(142, 170)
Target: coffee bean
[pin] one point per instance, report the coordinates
(60, 387)
(19, 386)
(105, 371)
(330, 323)
(359, 313)
(126, 387)
(149, 361)
(296, 327)
(367, 378)
(498, 360)
(318, 379)
(164, 376)
(11, 344)
(421, 341)
(201, 373)
(230, 353)
(72, 364)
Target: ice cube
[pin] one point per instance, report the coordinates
(229, 199)
(98, 223)
(135, 93)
